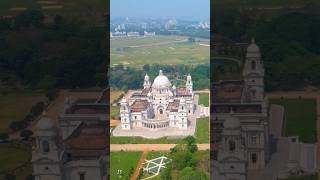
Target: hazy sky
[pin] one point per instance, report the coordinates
(195, 9)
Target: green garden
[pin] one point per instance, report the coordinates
(124, 161)
(170, 50)
(301, 116)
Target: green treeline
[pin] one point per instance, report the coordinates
(125, 78)
(58, 52)
(289, 43)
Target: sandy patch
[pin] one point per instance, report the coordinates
(46, 2)
(52, 7)
(18, 9)
(125, 63)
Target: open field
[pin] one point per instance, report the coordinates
(114, 95)
(300, 118)
(202, 136)
(11, 108)
(13, 158)
(137, 52)
(123, 161)
(204, 99)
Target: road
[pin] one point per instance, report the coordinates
(149, 147)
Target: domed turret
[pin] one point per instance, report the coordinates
(45, 123)
(161, 82)
(253, 51)
(146, 82)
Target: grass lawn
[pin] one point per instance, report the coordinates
(15, 106)
(13, 158)
(301, 117)
(115, 112)
(114, 95)
(157, 50)
(123, 161)
(202, 136)
(204, 99)
(310, 177)
(202, 131)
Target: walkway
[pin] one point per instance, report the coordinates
(303, 94)
(150, 147)
(140, 163)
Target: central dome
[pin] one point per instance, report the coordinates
(161, 82)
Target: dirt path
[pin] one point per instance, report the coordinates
(150, 147)
(141, 161)
(304, 94)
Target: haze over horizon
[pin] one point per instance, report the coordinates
(184, 9)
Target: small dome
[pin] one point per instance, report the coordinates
(44, 123)
(149, 94)
(124, 100)
(253, 48)
(174, 87)
(182, 100)
(161, 82)
(146, 77)
(231, 123)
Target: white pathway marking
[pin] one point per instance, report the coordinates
(159, 166)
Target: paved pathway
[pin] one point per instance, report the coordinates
(304, 94)
(150, 147)
(140, 163)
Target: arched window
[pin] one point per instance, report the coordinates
(253, 65)
(45, 146)
(161, 111)
(232, 146)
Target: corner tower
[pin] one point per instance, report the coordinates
(46, 156)
(253, 73)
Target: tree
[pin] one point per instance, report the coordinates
(26, 134)
(18, 125)
(166, 174)
(29, 18)
(4, 136)
(140, 174)
(51, 94)
(191, 40)
(9, 176)
(30, 177)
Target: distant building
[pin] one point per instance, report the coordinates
(149, 34)
(133, 34)
(118, 34)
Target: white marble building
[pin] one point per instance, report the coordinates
(160, 105)
(76, 147)
(241, 121)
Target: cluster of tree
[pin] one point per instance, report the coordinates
(35, 111)
(289, 43)
(125, 78)
(186, 163)
(66, 53)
